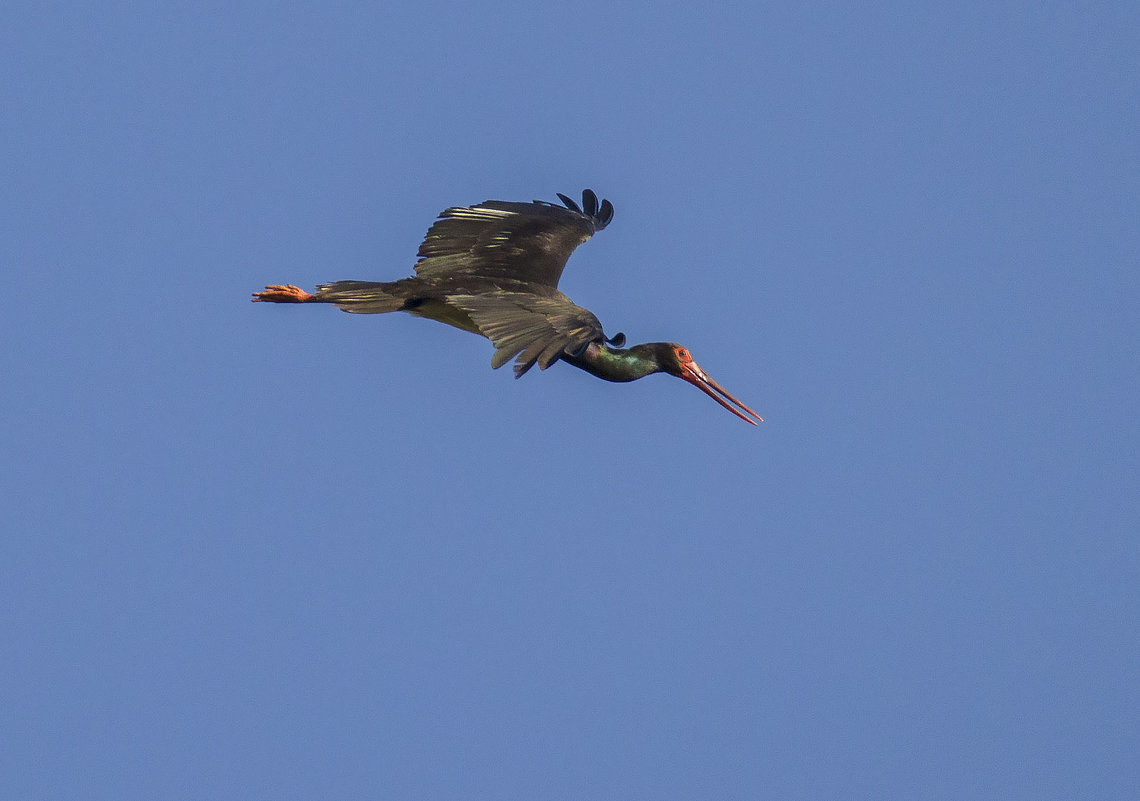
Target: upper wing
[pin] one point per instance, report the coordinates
(536, 329)
(527, 243)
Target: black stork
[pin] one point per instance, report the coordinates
(493, 269)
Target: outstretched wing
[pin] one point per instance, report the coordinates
(511, 243)
(536, 329)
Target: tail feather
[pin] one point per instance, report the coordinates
(363, 297)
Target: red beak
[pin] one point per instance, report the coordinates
(691, 372)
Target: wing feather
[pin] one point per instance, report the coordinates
(533, 328)
(511, 243)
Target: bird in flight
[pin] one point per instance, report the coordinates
(493, 269)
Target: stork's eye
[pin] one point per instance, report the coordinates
(683, 355)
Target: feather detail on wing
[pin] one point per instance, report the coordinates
(536, 329)
(524, 243)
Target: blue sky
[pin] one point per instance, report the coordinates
(282, 552)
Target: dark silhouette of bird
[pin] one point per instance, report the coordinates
(493, 269)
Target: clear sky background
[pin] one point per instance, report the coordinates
(281, 552)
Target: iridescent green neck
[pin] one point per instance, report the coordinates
(617, 364)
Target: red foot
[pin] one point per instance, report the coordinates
(278, 293)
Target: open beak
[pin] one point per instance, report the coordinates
(691, 372)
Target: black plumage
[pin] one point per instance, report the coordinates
(493, 269)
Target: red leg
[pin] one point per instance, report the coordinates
(278, 293)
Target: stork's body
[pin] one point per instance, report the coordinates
(493, 270)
